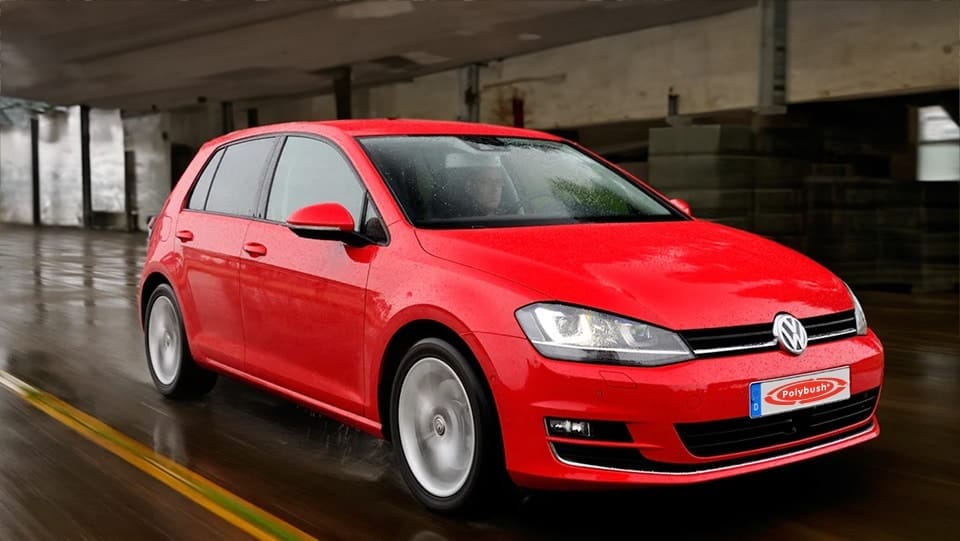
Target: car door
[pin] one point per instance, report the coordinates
(210, 233)
(303, 299)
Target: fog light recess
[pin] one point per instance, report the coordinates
(568, 428)
(600, 431)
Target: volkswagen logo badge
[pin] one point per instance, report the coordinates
(790, 333)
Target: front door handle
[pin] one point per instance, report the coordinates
(255, 249)
(184, 235)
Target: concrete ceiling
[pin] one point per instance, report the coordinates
(137, 55)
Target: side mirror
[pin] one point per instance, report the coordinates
(682, 205)
(326, 221)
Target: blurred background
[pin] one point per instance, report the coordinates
(828, 125)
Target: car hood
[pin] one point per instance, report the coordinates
(678, 275)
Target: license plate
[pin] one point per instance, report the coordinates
(798, 392)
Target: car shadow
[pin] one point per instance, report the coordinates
(741, 507)
(749, 506)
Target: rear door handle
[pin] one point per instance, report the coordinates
(255, 249)
(184, 235)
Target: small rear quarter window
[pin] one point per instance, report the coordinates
(198, 198)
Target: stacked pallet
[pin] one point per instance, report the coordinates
(884, 233)
(874, 232)
(732, 176)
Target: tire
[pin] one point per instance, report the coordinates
(173, 370)
(439, 403)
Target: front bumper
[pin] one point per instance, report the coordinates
(528, 388)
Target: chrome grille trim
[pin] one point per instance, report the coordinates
(832, 335)
(714, 351)
(757, 338)
(747, 461)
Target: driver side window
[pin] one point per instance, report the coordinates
(311, 171)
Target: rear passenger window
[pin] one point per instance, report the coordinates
(311, 171)
(236, 185)
(199, 196)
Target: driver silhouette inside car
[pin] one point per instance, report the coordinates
(485, 187)
(472, 191)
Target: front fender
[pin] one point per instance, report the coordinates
(464, 300)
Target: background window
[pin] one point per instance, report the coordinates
(309, 172)
(199, 196)
(938, 154)
(235, 188)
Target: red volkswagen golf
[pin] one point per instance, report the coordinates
(500, 304)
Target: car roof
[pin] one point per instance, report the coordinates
(390, 126)
(359, 128)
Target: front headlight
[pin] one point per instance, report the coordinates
(571, 333)
(858, 310)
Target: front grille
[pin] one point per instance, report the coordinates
(745, 434)
(632, 460)
(757, 338)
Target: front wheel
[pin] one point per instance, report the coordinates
(173, 370)
(445, 431)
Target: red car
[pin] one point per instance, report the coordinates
(501, 304)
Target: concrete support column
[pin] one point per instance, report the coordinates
(130, 189)
(342, 93)
(35, 169)
(470, 90)
(772, 68)
(226, 117)
(253, 117)
(146, 143)
(85, 176)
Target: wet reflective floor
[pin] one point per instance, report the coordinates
(68, 325)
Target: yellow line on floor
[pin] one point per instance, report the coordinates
(235, 510)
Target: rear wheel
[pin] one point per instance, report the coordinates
(175, 374)
(444, 428)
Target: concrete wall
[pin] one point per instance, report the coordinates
(16, 170)
(61, 194)
(193, 126)
(274, 111)
(710, 63)
(106, 161)
(843, 48)
(838, 49)
(144, 136)
(436, 97)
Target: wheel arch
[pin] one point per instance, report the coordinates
(150, 284)
(401, 341)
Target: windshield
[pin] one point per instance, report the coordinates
(472, 181)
